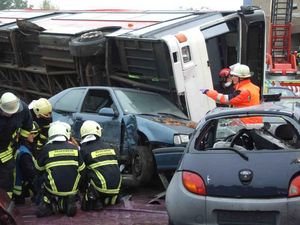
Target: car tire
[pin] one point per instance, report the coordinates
(88, 44)
(142, 165)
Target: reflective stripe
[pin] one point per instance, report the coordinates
(63, 152)
(62, 193)
(114, 199)
(24, 133)
(104, 163)
(102, 152)
(226, 98)
(219, 96)
(81, 167)
(51, 180)
(17, 190)
(6, 155)
(36, 165)
(101, 178)
(61, 163)
(106, 191)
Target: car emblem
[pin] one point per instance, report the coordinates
(245, 176)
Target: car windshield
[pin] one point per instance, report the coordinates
(272, 133)
(146, 103)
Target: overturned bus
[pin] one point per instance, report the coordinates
(171, 52)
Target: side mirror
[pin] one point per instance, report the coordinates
(107, 112)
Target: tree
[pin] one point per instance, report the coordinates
(46, 4)
(13, 4)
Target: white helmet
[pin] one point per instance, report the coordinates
(58, 129)
(42, 107)
(90, 127)
(240, 70)
(9, 103)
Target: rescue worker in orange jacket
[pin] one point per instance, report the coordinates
(246, 93)
(15, 125)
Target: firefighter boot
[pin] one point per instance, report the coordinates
(44, 209)
(71, 208)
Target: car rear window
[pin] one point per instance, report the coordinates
(272, 133)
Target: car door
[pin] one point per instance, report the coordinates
(95, 100)
(66, 103)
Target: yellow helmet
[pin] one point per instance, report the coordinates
(42, 107)
(90, 127)
(9, 103)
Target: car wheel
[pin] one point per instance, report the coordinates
(142, 165)
(88, 44)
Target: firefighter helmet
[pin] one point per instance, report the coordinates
(240, 70)
(9, 103)
(90, 127)
(42, 107)
(57, 129)
(68, 127)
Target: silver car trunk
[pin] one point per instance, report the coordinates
(265, 174)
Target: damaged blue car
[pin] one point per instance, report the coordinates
(134, 123)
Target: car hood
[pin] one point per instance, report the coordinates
(228, 174)
(162, 128)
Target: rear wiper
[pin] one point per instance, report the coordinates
(234, 150)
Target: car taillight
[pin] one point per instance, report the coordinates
(294, 189)
(193, 183)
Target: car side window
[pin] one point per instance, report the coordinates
(70, 102)
(96, 100)
(206, 138)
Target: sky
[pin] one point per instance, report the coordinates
(141, 4)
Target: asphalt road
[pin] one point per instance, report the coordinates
(138, 206)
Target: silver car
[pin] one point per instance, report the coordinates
(238, 173)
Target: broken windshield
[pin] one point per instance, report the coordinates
(135, 102)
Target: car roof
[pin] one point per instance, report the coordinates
(290, 109)
(114, 88)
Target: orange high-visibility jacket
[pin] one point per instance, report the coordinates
(246, 94)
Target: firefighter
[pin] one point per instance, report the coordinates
(41, 111)
(103, 179)
(25, 170)
(61, 166)
(245, 94)
(15, 125)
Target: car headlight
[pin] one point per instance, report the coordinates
(181, 139)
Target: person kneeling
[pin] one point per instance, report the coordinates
(61, 166)
(102, 182)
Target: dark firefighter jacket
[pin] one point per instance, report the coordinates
(25, 169)
(102, 167)
(246, 94)
(44, 124)
(12, 129)
(61, 165)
